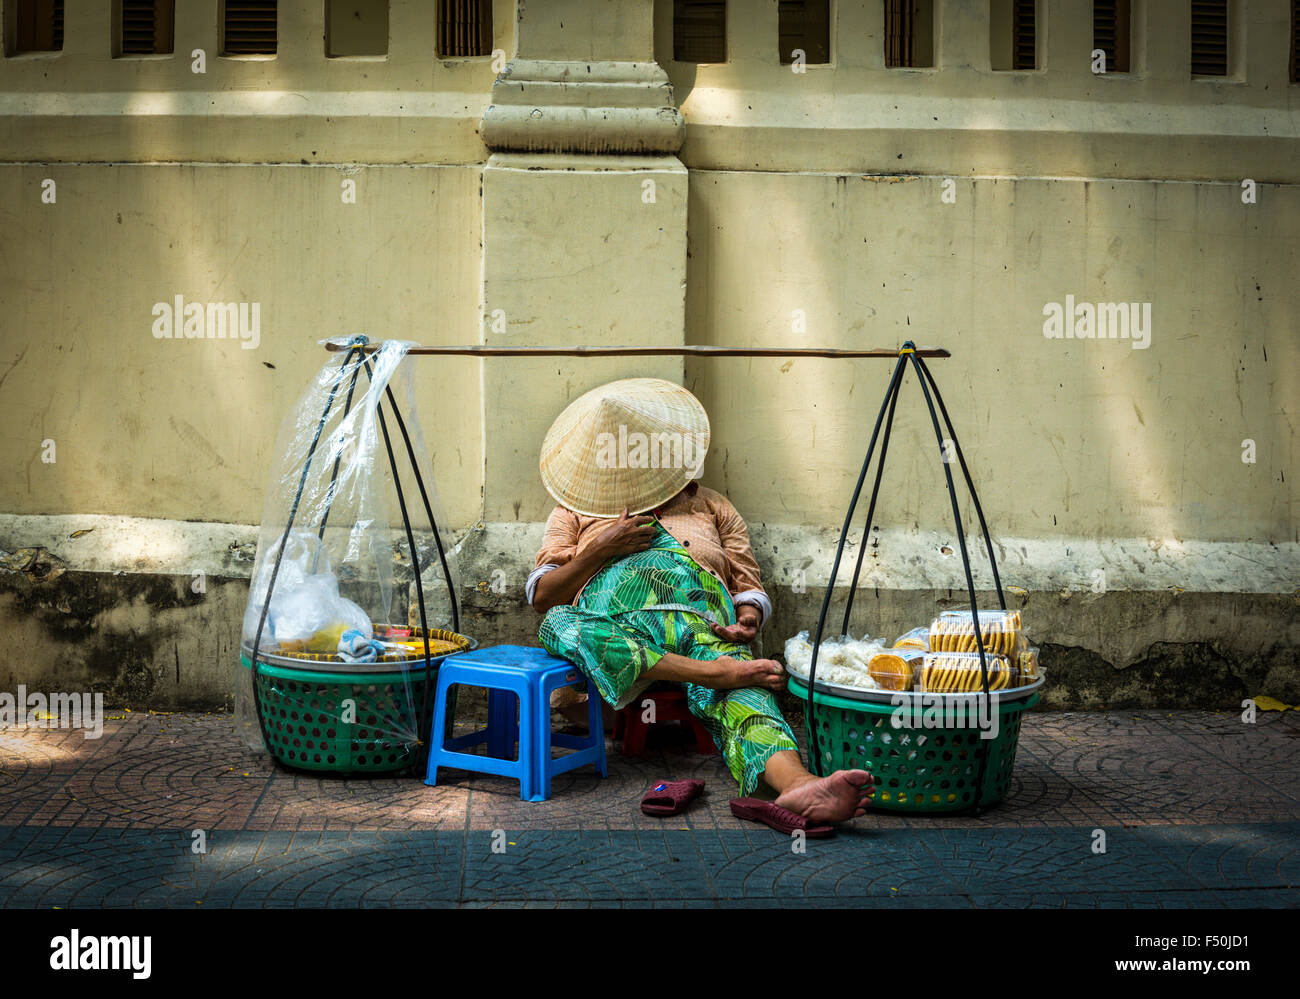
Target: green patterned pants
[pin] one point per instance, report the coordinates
(640, 607)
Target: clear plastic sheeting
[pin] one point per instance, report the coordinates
(344, 632)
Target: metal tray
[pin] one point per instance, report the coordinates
(886, 697)
(324, 666)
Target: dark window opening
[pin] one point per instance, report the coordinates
(1209, 37)
(38, 26)
(145, 27)
(1295, 41)
(1110, 33)
(804, 25)
(464, 28)
(356, 28)
(1013, 34)
(1024, 35)
(700, 30)
(909, 33)
(248, 27)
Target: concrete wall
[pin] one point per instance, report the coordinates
(849, 205)
(960, 118)
(1082, 437)
(184, 428)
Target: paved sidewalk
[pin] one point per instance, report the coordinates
(1198, 809)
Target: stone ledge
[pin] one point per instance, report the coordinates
(582, 107)
(601, 130)
(899, 560)
(977, 136)
(378, 127)
(585, 84)
(1191, 624)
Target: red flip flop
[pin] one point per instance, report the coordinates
(781, 819)
(670, 797)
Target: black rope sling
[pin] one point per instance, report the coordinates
(886, 418)
(355, 349)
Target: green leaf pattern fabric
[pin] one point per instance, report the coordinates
(642, 606)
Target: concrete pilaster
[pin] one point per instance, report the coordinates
(584, 227)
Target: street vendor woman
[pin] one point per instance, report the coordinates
(645, 575)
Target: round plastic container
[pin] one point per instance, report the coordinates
(923, 768)
(302, 703)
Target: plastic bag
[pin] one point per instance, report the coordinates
(1027, 660)
(841, 661)
(917, 638)
(349, 457)
(798, 653)
(307, 613)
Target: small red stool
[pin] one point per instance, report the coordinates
(670, 705)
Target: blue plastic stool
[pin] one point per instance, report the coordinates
(514, 674)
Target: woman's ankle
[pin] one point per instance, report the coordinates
(679, 669)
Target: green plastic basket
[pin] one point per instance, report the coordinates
(301, 709)
(916, 769)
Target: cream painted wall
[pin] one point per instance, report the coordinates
(819, 191)
(1097, 437)
(184, 429)
(577, 250)
(961, 118)
(85, 66)
(298, 106)
(1065, 437)
(586, 29)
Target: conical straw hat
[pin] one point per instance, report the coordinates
(633, 443)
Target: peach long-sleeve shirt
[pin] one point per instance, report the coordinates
(703, 520)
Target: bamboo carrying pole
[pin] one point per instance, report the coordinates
(691, 350)
(900, 356)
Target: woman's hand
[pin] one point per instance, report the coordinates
(626, 535)
(744, 630)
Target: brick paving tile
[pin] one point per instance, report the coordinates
(1072, 768)
(1198, 808)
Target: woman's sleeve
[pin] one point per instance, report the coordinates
(746, 585)
(559, 545)
(560, 541)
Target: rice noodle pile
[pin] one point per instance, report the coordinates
(841, 661)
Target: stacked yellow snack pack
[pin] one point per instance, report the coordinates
(944, 658)
(954, 631)
(959, 673)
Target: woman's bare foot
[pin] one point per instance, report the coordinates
(723, 673)
(733, 674)
(841, 796)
